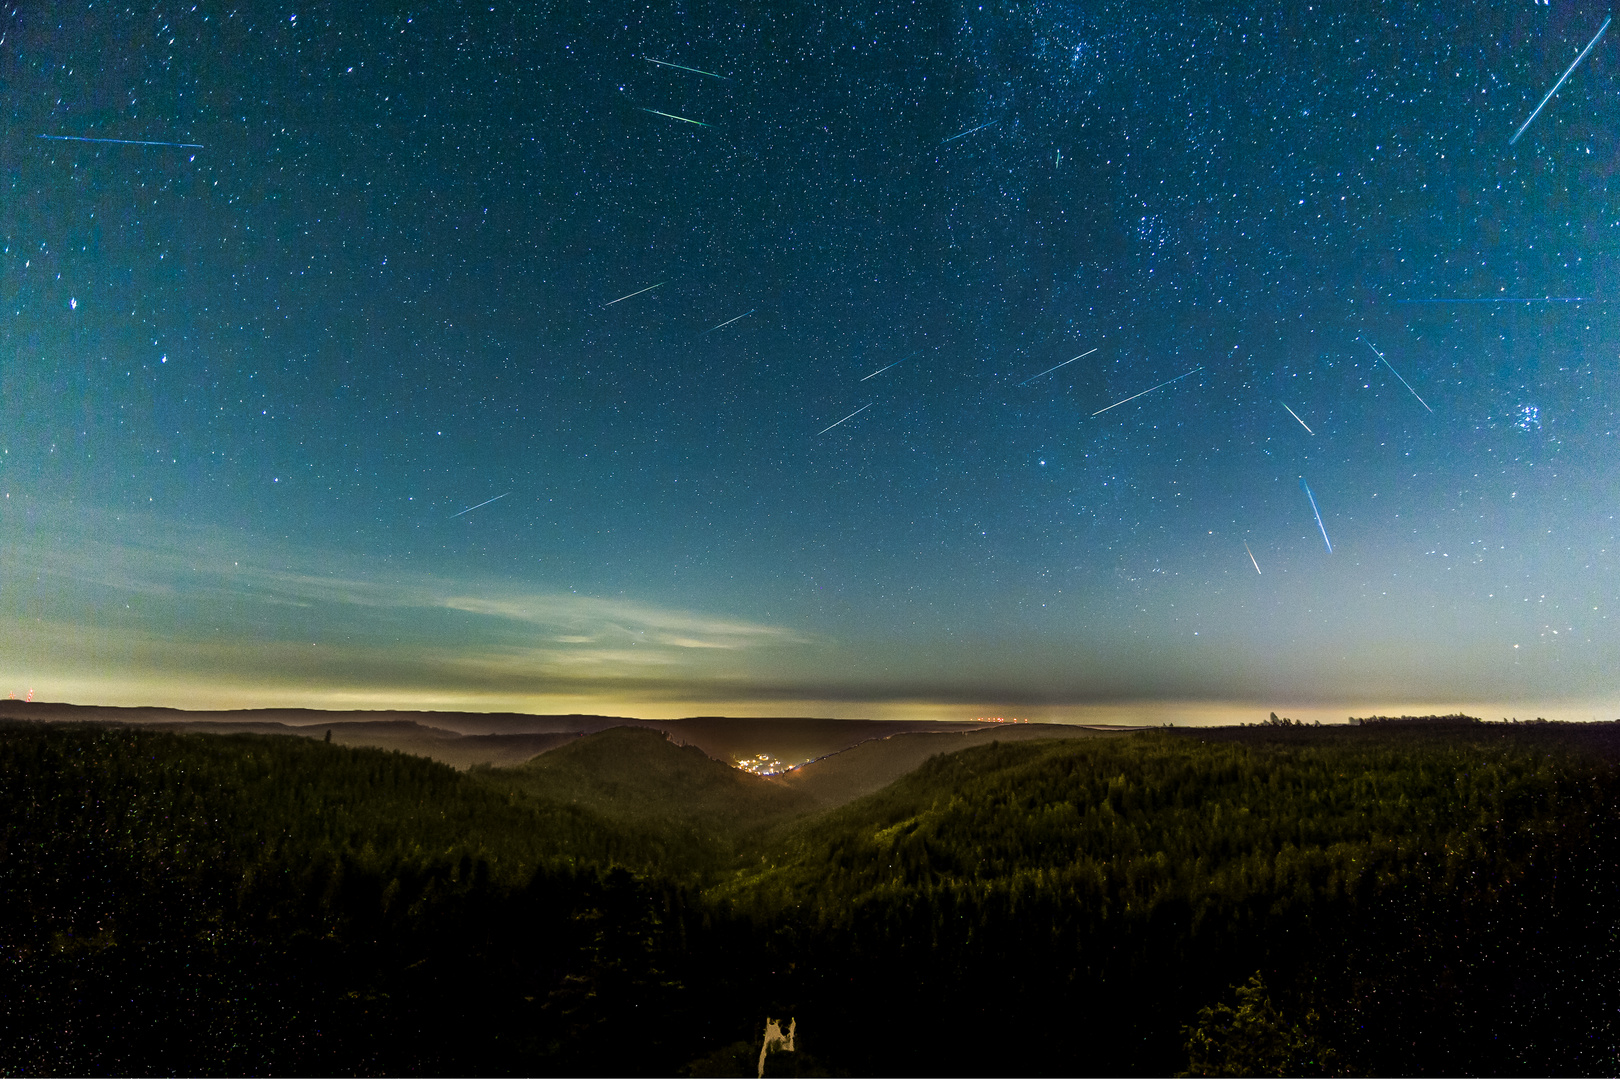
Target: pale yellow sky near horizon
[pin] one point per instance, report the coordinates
(221, 696)
(101, 612)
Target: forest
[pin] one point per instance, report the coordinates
(1389, 898)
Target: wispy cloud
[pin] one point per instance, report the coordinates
(151, 610)
(593, 619)
(250, 609)
(254, 568)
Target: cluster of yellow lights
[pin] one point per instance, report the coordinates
(999, 720)
(761, 765)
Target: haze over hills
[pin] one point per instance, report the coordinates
(433, 735)
(506, 739)
(693, 810)
(870, 766)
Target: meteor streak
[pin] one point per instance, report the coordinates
(1307, 489)
(1397, 374)
(1149, 390)
(1054, 367)
(683, 67)
(672, 116)
(486, 502)
(1251, 557)
(1560, 81)
(627, 296)
(886, 367)
(1295, 415)
(728, 322)
(970, 131)
(851, 416)
(124, 142)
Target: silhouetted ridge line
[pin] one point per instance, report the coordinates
(1453, 718)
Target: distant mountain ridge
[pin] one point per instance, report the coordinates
(460, 723)
(692, 808)
(867, 767)
(506, 739)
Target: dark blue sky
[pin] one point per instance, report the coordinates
(248, 387)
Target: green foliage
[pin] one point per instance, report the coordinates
(1254, 1040)
(873, 765)
(1422, 900)
(686, 810)
(1101, 865)
(1123, 826)
(243, 903)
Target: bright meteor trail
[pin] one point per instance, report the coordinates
(1295, 415)
(627, 296)
(886, 367)
(672, 116)
(486, 502)
(1391, 367)
(1307, 489)
(1560, 81)
(969, 131)
(1149, 390)
(728, 322)
(683, 67)
(851, 416)
(1054, 367)
(124, 142)
(1251, 558)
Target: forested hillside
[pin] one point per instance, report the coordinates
(1414, 901)
(1440, 901)
(244, 904)
(688, 810)
(875, 764)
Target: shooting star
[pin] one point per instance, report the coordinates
(1150, 390)
(1318, 513)
(486, 502)
(1397, 374)
(1054, 367)
(627, 296)
(1295, 415)
(728, 322)
(851, 416)
(1560, 81)
(1251, 558)
(969, 131)
(886, 367)
(124, 142)
(683, 67)
(672, 116)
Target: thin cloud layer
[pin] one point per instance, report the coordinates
(279, 615)
(116, 611)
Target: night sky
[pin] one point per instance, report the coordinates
(249, 387)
